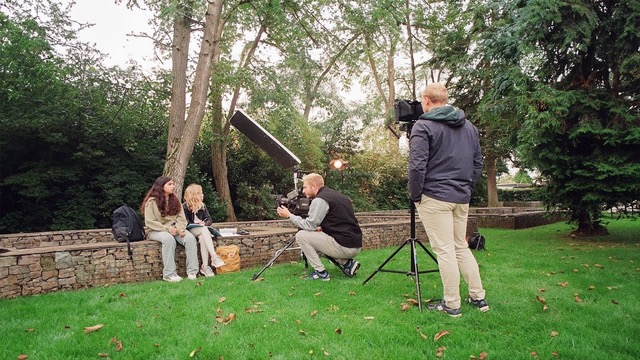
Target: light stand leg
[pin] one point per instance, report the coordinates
(275, 257)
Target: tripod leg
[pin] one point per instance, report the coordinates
(416, 273)
(275, 257)
(427, 251)
(385, 262)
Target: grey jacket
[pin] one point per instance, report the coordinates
(444, 158)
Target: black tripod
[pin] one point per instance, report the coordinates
(414, 271)
(279, 252)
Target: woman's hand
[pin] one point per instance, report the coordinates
(173, 230)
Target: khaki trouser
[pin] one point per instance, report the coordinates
(207, 250)
(446, 227)
(313, 242)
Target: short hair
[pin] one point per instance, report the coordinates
(314, 179)
(436, 92)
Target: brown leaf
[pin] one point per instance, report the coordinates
(577, 298)
(103, 355)
(93, 328)
(404, 307)
(598, 266)
(541, 299)
(576, 270)
(423, 335)
(534, 354)
(156, 344)
(325, 353)
(369, 317)
(222, 299)
(612, 287)
(440, 350)
(299, 322)
(541, 290)
(592, 287)
(229, 318)
(114, 340)
(23, 357)
(563, 284)
(614, 302)
(252, 310)
(338, 331)
(483, 356)
(413, 302)
(352, 293)
(119, 346)
(123, 295)
(30, 330)
(318, 294)
(274, 320)
(313, 313)
(554, 333)
(545, 307)
(258, 279)
(440, 334)
(302, 332)
(555, 353)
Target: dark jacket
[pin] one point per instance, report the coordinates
(445, 158)
(340, 221)
(202, 214)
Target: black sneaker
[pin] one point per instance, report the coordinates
(351, 267)
(440, 306)
(480, 304)
(319, 275)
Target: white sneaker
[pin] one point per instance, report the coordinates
(191, 276)
(217, 261)
(207, 271)
(172, 278)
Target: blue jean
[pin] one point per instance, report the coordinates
(169, 251)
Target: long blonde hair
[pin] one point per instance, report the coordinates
(194, 197)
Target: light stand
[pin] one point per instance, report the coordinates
(412, 241)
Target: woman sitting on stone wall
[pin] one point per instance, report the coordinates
(165, 222)
(199, 219)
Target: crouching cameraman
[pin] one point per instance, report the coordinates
(331, 228)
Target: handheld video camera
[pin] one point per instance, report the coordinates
(295, 201)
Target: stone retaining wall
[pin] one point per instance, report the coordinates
(34, 263)
(38, 263)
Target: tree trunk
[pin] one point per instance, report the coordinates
(492, 187)
(180, 148)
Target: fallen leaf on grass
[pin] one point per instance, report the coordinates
(541, 299)
(258, 279)
(369, 318)
(554, 333)
(598, 266)
(534, 354)
(318, 294)
(563, 284)
(614, 302)
(313, 313)
(119, 346)
(577, 298)
(123, 295)
(194, 352)
(222, 299)
(298, 322)
(103, 355)
(338, 331)
(404, 307)
(23, 357)
(423, 335)
(413, 302)
(226, 320)
(93, 328)
(352, 293)
(252, 310)
(555, 353)
(576, 270)
(612, 287)
(440, 334)
(483, 356)
(592, 287)
(30, 330)
(545, 307)
(325, 353)
(302, 332)
(440, 350)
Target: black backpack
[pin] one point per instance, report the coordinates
(127, 226)
(476, 241)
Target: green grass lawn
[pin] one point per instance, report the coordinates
(551, 297)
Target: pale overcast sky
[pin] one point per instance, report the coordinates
(112, 24)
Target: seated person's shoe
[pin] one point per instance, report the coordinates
(350, 268)
(440, 306)
(320, 275)
(191, 276)
(172, 278)
(479, 304)
(207, 271)
(217, 261)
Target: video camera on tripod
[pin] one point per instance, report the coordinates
(296, 201)
(406, 113)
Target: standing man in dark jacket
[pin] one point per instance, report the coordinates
(444, 162)
(331, 228)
